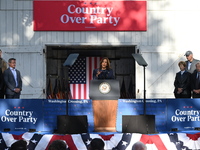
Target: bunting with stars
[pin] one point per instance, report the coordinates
(118, 141)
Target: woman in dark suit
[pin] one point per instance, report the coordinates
(104, 71)
(182, 82)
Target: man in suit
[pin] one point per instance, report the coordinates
(12, 79)
(3, 67)
(191, 62)
(195, 82)
(1, 85)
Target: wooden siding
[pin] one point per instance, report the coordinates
(30, 62)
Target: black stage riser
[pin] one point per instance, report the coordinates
(138, 124)
(72, 124)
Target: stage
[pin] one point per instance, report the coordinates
(22, 115)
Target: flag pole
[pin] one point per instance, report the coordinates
(144, 92)
(67, 87)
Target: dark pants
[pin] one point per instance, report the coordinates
(14, 96)
(2, 94)
(194, 95)
(182, 95)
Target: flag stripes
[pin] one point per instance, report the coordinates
(80, 90)
(118, 141)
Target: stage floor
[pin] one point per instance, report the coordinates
(113, 140)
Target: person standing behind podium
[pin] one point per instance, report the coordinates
(12, 79)
(104, 71)
(195, 82)
(182, 82)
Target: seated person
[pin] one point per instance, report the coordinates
(139, 146)
(19, 145)
(96, 144)
(58, 145)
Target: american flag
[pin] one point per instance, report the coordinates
(80, 74)
(118, 141)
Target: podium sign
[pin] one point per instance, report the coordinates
(104, 90)
(104, 95)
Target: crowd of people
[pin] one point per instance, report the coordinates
(187, 80)
(95, 144)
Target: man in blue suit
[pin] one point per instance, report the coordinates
(12, 79)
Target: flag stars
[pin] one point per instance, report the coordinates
(124, 143)
(187, 106)
(88, 142)
(78, 71)
(34, 141)
(18, 107)
(177, 143)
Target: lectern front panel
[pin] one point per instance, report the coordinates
(104, 95)
(104, 90)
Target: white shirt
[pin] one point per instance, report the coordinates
(189, 65)
(182, 72)
(14, 74)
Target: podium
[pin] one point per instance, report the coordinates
(104, 95)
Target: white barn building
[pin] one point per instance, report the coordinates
(173, 27)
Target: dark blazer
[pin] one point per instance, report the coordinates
(192, 67)
(1, 80)
(105, 74)
(182, 81)
(193, 81)
(194, 85)
(10, 81)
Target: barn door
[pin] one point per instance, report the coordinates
(160, 74)
(31, 64)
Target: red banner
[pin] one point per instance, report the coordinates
(90, 16)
